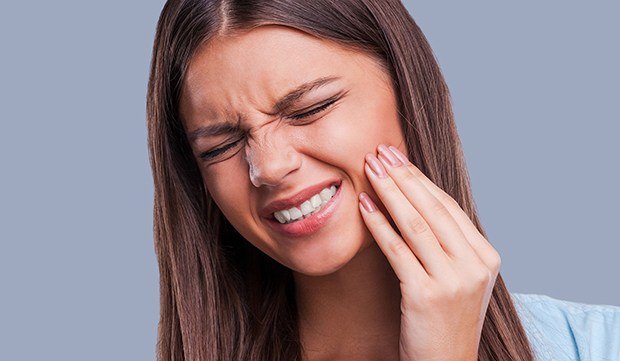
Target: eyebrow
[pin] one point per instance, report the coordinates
(285, 102)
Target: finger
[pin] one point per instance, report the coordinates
(413, 228)
(479, 243)
(436, 214)
(405, 264)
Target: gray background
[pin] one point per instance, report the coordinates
(535, 91)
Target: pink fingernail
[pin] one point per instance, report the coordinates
(367, 203)
(399, 154)
(375, 166)
(389, 156)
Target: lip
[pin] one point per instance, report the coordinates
(307, 226)
(297, 198)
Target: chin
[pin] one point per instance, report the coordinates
(324, 258)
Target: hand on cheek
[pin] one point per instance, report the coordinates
(446, 268)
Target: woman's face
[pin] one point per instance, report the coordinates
(271, 152)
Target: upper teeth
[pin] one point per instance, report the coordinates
(308, 207)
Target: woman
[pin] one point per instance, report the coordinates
(311, 196)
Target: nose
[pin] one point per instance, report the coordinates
(271, 157)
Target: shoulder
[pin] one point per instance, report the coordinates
(565, 330)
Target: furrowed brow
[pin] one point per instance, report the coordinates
(281, 105)
(212, 130)
(295, 94)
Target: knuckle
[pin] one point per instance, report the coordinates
(478, 280)
(453, 290)
(496, 261)
(408, 175)
(417, 225)
(440, 209)
(399, 247)
(481, 278)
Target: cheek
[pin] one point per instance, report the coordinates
(234, 200)
(354, 128)
(230, 196)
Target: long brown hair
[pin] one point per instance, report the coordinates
(220, 297)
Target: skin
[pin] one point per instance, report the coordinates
(341, 269)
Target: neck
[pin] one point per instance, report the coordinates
(353, 312)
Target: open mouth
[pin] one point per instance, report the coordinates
(307, 208)
(311, 222)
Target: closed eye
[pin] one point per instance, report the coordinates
(215, 152)
(314, 110)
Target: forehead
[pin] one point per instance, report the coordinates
(249, 71)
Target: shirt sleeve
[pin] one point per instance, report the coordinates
(569, 331)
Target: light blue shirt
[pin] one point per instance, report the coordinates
(561, 330)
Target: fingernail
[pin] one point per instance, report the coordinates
(375, 166)
(399, 154)
(367, 203)
(388, 156)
